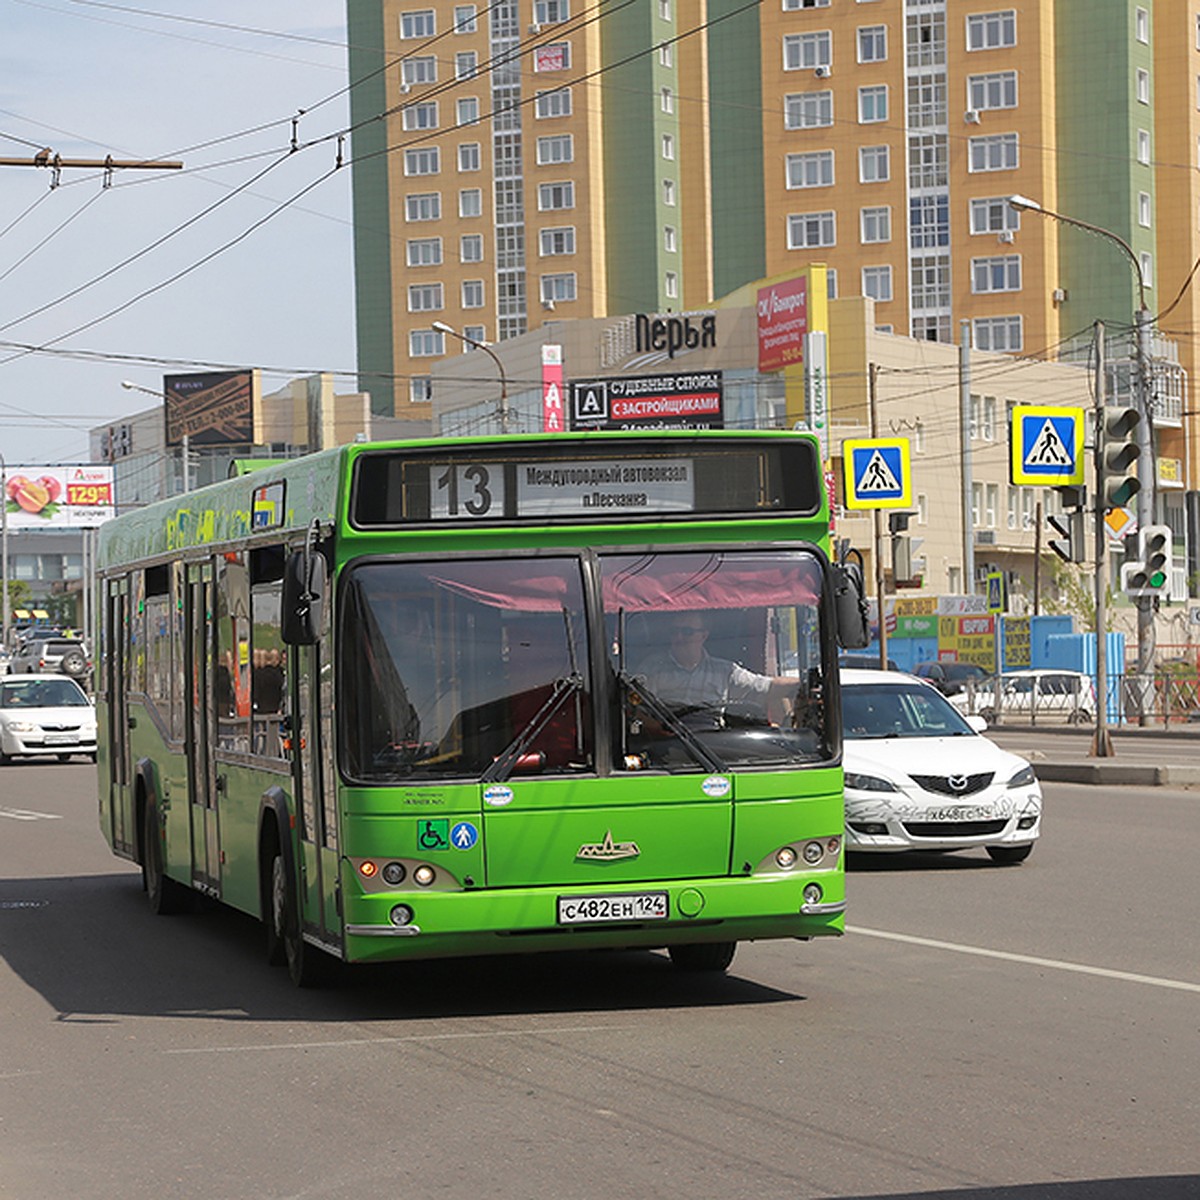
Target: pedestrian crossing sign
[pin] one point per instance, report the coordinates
(1047, 445)
(877, 473)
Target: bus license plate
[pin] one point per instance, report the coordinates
(588, 910)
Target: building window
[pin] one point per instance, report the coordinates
(560, 240)
(1141, 25)
(814, 169)
(556, 195)
(424, 252)
(877, 283)
(420, 389)
(466, 64)
(553, 104)
(668, 147)
(928, 161)
(470, 248)
(667, 100)
(464, 19)
(1001, 273)
(998, 334)
(976, 504)
(807, 51)
(468, 110)
(419, 24)
(997, 152)
(1143, 147)
(664, 10)
(420, 116)
(997, 90)
(470, 202)
(1147, 262)
(426, 206)
(666, 55)
(872, 43)
(808, 230)
(415, 71)
(425, 160)
(468, 156)
(476, 334)
(556, 288)
(929, 222)
(671, 285)
(559, 148)
(876, 224)
(872, 104)
(808, 110)
(425, 297)
(668, 192)
(472, 293)
(874, 164)
(550, 12)
(992, 504)
(991, 31)
(1143, 86)
(1144, 210)
(930, 282)
(796, 5)
(426, 343)
(669, 242)
(994, 215)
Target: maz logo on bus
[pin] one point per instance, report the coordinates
(608, 850)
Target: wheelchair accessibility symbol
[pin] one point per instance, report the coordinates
(433, 835)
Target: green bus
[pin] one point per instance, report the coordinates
(455, 697)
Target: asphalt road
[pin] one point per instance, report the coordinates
(981, 1032)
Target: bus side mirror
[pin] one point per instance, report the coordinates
(304, 582)
(850, 605)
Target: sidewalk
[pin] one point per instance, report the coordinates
(1144, 757)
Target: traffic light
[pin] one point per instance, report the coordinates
(1069, 546)
(1151, 575)
(1118, 452)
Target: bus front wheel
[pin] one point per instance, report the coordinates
(307, 966)
(703, 956)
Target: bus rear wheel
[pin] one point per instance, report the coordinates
(165, 895)
(702, 956)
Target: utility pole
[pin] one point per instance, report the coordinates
(880, 582)
(55, 163)
(1102, 745)
(968, 483)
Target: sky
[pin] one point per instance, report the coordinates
(243, 258)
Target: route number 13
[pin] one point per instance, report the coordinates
(468, 491)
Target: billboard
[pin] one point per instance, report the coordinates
(58, 497)
(782, 323)
(215, 408)
(691, 401)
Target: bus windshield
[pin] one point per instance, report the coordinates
(481, 669)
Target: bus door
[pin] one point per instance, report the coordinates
(200, 728)
(315, 791)
(116, 684)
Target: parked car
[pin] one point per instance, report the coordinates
(865, 661)
(950, 678)
(39, 655)
(1062, 695)
(45, 716)
(919, 775)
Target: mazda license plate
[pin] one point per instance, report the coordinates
(594, 910)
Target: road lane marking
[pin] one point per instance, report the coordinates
(398, 1041)
(1053, 964)
(26, 814)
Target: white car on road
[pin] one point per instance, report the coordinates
(45, 716)
(919, 776)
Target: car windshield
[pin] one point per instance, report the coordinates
(892, 710)
(958, 671)
(42, 693)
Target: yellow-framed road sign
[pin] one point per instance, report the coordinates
(877, 472)
(1046, 445)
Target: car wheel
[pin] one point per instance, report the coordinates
(64, 758)
(705, 956)
(73, 663)
(1009, 856)
(988, 714)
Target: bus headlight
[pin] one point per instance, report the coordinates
(813, 853)
(401, 915)
(424, 875)
(813, 893)
(785, 857)
(394, 873)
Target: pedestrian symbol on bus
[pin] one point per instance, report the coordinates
(1047, 445)
(877, 473)
(464, 835)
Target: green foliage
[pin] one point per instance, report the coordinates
(1071, 591)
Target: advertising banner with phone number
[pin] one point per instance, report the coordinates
(58, 497)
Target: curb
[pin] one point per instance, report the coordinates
(1117, 774)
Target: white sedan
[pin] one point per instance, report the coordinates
(920, 777)
(45, 715)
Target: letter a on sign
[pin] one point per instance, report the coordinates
(877, 473)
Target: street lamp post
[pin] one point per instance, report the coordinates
(442, 327)
(184, 449)
(1145, 434)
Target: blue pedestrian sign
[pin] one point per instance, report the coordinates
(877, 473)
(1047, 445)
(464, 835)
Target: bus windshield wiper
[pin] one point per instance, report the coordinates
(670, 720)
(503, 764)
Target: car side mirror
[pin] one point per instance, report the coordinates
(850, 605)
(305, 578)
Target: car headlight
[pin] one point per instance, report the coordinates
(22, 727)
(868, 783)
(1023, 778)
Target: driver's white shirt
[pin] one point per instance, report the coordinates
(711, 683)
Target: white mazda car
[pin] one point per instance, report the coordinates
(920, 777)
(44, 716)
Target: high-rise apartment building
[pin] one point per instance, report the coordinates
(531, 159)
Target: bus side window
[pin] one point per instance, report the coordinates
(269, 700)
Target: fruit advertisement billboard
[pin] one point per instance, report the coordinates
(58, 497)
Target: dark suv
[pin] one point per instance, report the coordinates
(41, 655)
(951, 678)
